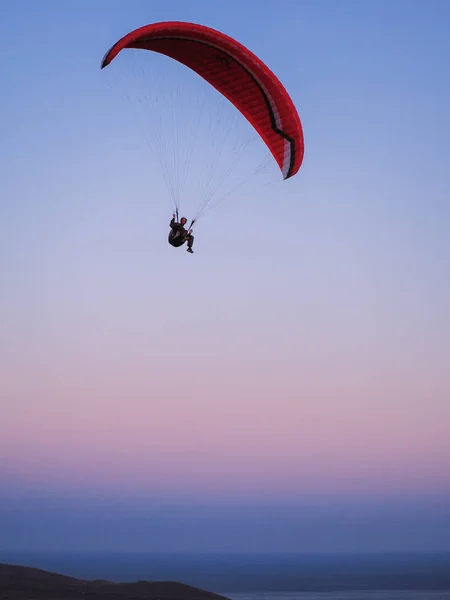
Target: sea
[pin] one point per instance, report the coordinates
(264, 576)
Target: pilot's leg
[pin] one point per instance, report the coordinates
(190, 241)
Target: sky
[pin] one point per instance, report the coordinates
(287, 386)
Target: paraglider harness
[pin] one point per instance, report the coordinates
(176, 237)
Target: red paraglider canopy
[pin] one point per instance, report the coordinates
(236, 73)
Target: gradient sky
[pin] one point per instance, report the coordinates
(286, 387)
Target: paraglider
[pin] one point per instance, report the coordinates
(178, 234)
(238, 76)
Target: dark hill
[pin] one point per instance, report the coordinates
(26, 583)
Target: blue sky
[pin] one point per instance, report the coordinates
(314, 311)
